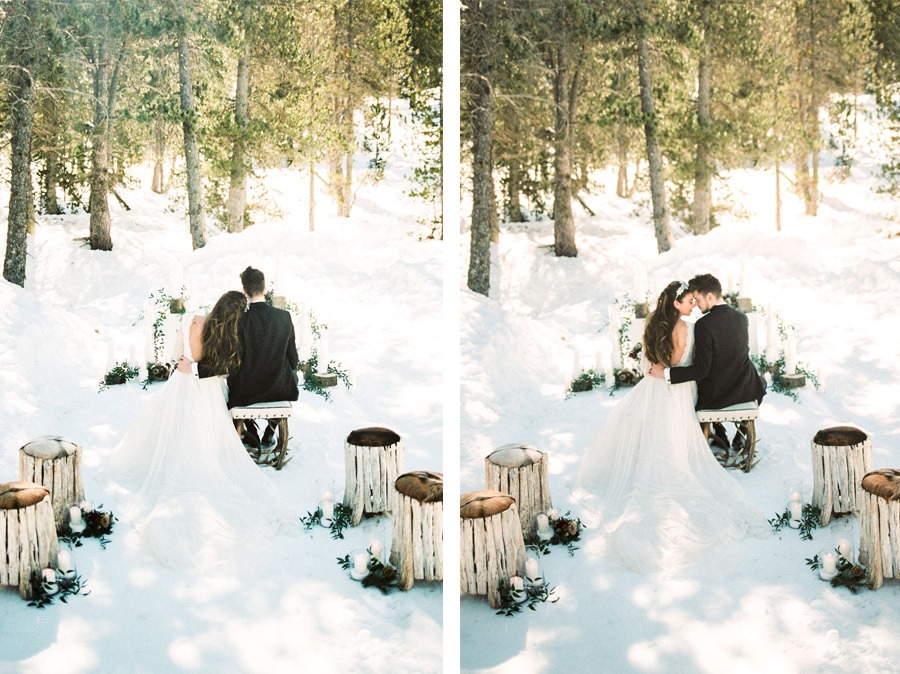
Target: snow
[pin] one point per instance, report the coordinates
(379, 292)
(834, 278)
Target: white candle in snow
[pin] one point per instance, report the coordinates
(772, 344)
(753, 333)
(552, 514)
(576, 363)
(376, 548)
(323, 356)
(796, 514)
(361, 563)
(544, 532)
(844, 549)
(64, 562)
(327, 508)
(327, 496)
(86, 506)
(829, 562)
(533, 572)
(50, 586)
(75, 516)
(790, 356)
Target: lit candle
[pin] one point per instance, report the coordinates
(829, 562)
(517, 589)
(64, 564)
(327, 508)
(844, 549)
(796, 514)
(86, 506)
(772, 344)
(552, 514)
(50, 586)
(327, 496)
(576, 363)
(795, 497)
(376, 548)
(790, 356)
(361, 563)
(533, 572)
(76, 524)
(544, 532)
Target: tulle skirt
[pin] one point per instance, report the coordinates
(650, 480)
(193, 494)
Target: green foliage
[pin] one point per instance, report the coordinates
(533, 595)
(809, 520)
(121, 373)
(586, 381)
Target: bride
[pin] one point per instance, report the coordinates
(187, 484)
(661, 496)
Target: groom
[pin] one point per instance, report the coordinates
(722, 368)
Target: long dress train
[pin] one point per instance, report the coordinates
(659, 493)
(194, 496)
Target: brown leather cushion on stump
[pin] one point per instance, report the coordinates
(484, 503)
(422, 485)
(14, 495)
(374, 436)
(884, 482)
(840, 436)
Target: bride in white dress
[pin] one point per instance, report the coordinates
(658, 492)
(195, 497)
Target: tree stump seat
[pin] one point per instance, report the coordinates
(841, 456)
(28, 542)
(491, 541)
(522, 472)
(879, 529)
(741, 452)
(55, 463)
(417, 537)
(281, 410)
(372, 460)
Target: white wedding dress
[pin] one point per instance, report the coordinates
(651, 481)
(195, 497)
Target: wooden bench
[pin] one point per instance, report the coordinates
(744, 414)
(281, 410)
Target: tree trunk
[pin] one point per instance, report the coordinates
(51, 170)
(237, 191)
(21, 122)
(312, 196)
(191, 152)
(563, 222)
(100, 235)
(482, 115)
(159, 155)
(702, 168)
(513, 191)
(347, 183)
(654, 156)
(622, 158)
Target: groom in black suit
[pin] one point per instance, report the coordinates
(722, 368)
(268, 370)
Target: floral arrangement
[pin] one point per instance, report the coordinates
(157, 372)
(339, 521)
(378, 574)
(566, 531)
(97, 524)
(809, 520)
(849, 575)
(529, 595)
(777, 368)
(120, 374)
(44, 591)
(586, 381)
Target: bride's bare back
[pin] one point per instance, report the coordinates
(195, 336)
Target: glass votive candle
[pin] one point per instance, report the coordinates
(827, 564)
(359, 564)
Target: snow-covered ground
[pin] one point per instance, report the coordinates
(835, 278)
(379, 292)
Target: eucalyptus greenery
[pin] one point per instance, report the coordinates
(98, 524)
(809, 520)
(68, 587)
(121, 373)
(341, 520)
(587, 380)
(533, 597)
(380, 575)
(850, 575)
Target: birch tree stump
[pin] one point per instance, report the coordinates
(521, 472)
(841, 456)
(490, 542)
(28, 542)
(372, 460)
(55, 463)
(417, 548)
(879, 529)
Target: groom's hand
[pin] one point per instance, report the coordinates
(184, 365)
(657, 370)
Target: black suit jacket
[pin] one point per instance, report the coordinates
(268, 370)
(722, 367)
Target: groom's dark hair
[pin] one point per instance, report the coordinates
(254, 281)
(705, 284)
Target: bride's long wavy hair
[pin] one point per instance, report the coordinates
(660, 324)
(221, 344)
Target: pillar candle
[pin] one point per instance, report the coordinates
(361, 563)
(64, 561)
(576, 363)
(376, 548)
(753, 332)
(790, 355)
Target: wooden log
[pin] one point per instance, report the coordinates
(55, 463)
(372, 460)
(490, 541)
(28, 542)
(792, 380)
(322, 379)
(840, 455)
(522, 472)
